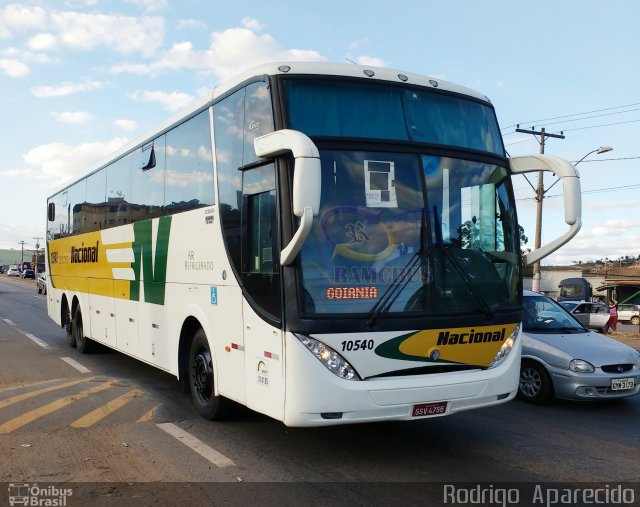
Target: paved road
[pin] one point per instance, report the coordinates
(122, 422)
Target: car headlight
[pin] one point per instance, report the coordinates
(333, 361)
(580, 365)
(508, 344)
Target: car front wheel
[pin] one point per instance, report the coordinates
(535, 383)
(635, 320)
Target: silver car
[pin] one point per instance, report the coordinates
(562, 358)
(591, 315)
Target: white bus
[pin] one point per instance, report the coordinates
(322, 243)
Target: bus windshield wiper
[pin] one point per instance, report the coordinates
(414, 263)
(395, 288)
(454, 262)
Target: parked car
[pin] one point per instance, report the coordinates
(591, 315)
(629, 313)
(28, 273)
(13, 272)
(41, 282)
(561, 357)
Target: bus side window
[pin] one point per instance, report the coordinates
(148, 181)
(260, 228)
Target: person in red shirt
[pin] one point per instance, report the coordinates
(612, 323)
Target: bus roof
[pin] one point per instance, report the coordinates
(281, 68)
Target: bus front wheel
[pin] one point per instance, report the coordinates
(207, 404)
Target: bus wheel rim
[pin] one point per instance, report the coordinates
(203, 375)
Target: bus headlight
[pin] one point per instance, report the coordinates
(333, 361)
(508, 344)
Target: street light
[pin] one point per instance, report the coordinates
(602, 149)
(540, 195)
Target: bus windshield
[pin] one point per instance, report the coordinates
(424, 233)
(338, 108)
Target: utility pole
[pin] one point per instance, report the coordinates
(540, 191)
(35, 268)
(22, 243)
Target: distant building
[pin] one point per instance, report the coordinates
(619, 283)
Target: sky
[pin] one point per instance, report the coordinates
(81, 78)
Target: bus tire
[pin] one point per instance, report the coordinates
(68, 326)
(82, 342)
(206, 403)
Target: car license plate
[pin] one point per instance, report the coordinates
(429, 409)
(620, 384)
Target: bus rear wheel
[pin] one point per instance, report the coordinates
(206, 403)
(68, 326)
(82, 342)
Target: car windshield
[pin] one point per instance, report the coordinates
(543, 315)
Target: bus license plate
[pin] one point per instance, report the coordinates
(429, 409)
(620, 384)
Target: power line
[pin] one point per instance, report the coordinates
(603, 125)
(607, 159)
(571, 130)
(533, 122)
(593, 191)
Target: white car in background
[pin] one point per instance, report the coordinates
(629, 313)
(591, 315)
(13, 271)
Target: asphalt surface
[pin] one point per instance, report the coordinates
(133, 454)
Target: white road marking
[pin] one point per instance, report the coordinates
(36, 340)
(197, 445)
(10, 322)
(76, 365)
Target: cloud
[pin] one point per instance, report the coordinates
(42, 42)
(592, 249)
(12, 235)
(26, 56)
(173, 101)
(17, 18)
(14, 68)
(126, 125)
(238, 49)
(252, 24)
(67, 88)
(230, 52)
(85, 31)
(191, 24)
(608, 228)
(123, 34)
(60, 163)
(607, 205)
(77, 117)
(149, 5)
(370, 60)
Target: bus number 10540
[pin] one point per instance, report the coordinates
(357, 345)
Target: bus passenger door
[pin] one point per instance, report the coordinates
(264, 351)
